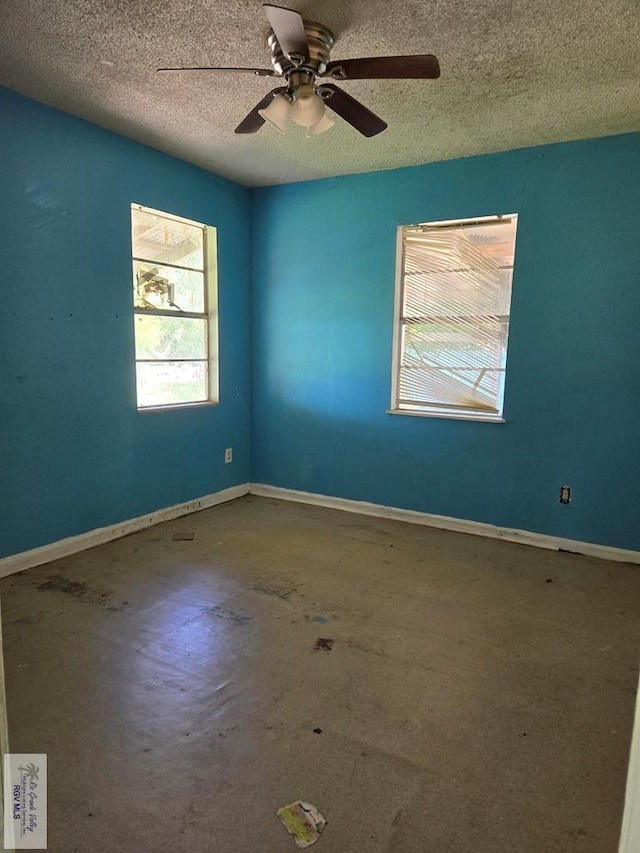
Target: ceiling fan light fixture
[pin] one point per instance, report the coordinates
(321, 126)
(308, 107)
(276, 113)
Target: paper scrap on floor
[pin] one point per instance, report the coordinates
(303, 821)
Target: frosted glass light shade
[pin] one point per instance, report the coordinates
(277, 112)
(319, 127)
(308, 108)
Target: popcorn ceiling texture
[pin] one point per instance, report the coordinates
(514, 74)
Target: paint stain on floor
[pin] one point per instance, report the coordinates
(81, 592)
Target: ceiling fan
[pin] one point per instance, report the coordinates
(300, 52)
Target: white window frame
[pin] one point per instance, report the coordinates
(437, 410)
(210, 313)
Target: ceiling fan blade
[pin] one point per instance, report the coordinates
(261, 72)
(288, 28)
(252, 122)
(364, 121)
(425, 67)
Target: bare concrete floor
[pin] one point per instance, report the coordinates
(478, 696)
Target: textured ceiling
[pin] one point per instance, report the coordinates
(514, 73)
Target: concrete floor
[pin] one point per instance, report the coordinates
(478, 697)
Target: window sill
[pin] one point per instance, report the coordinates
(171, 407)
(452, 416)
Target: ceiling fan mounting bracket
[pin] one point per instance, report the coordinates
(336, 72)
(325, 94)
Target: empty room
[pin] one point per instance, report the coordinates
(319, 444)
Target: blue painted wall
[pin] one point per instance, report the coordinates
(74, 452)
(323, 282)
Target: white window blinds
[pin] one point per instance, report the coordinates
(451, 339)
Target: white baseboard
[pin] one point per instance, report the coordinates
(460, 525)
(65, 547)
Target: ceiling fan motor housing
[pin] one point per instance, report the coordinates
(320, 40)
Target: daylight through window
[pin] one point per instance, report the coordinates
(452, 317)
(174, 309)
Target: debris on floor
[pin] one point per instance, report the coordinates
(303, 821)
(183, 537)
(323, 644)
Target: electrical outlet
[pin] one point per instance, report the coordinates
(565, 494)
(228, 455)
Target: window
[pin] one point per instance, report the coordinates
(452, 317)
(174, 298)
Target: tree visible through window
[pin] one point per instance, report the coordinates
(174, 318)
(452, 317)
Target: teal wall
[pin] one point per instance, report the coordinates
(76, 455)
(323, 280)
(74, 452)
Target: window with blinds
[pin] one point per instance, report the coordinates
(452, 317)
